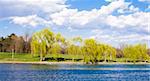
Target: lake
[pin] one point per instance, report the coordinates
(72, 72)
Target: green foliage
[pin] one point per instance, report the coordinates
(55, 49)
(12, 42)
(93, 52)
(109, 52)
(77, 39)
(136, 52)
(74, 50)
(41, 41)
(90, 47)
(46, 43)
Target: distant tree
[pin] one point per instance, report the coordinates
(1, 44)
(19, 44)
(27, 41)
(47, 42)
(119, 53)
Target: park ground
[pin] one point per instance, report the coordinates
(53, 59)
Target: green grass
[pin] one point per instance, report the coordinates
(29, 58)
(66, 56)
(18, 57)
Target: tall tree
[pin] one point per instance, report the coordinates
(41, 42)
(90, 47)
(44, 41)
(136, 52)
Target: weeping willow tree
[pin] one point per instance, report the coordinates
(143, 52)
(73, 50)
(41, 42)
(91, 51)
(44, 42)
(55, 50)
(108, 52)
(136, 52)
(94, 52)
(74, 47)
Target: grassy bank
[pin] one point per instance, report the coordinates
(17, 57)
(30, 58)
(62, 58)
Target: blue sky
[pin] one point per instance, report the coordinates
(114, 22)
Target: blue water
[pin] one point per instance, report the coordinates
(64, 72)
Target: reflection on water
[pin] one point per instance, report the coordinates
(29, 72)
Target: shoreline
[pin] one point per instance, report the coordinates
(82, 63)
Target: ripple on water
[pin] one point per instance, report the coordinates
(28, 72)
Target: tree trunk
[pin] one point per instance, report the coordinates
(12, 53)
(104, 57)
(41, 56)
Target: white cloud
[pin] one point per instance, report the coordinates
(96, 18)
(121, 38)
(99, 20)
(139, 20)
(81, 19)
(46, 5)
(103, 16)
(28, 7)
(75, 17)
(133, 37)
(97, 31)
(32, 20)
(27, 12)
(113, 6)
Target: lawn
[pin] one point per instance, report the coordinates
(28, 57)
(22, 57)
(17, 57)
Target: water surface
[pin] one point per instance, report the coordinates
(68, 72)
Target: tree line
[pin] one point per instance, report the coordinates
(14, 43)
(46, 42)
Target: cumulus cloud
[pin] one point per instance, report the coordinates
(83, 19)
(73, 16)
(121, 38)
(28, 7)
(32, 20)
(105, 26)
(139, 19)
(103, 16)
(96, 18)
(109, 23)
